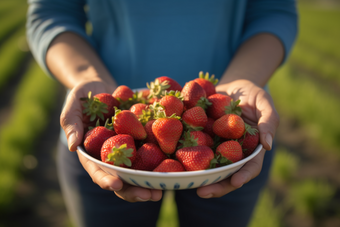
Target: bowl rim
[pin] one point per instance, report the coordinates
(171, 174)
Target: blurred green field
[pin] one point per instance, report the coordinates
(306, 91)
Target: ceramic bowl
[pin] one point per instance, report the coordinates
(173, 180)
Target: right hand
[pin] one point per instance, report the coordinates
(71, 121)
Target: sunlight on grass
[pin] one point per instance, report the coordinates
(168, 215)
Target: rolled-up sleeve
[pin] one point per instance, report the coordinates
(46, 19)
(277, 17)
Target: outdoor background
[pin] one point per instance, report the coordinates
(304, 187)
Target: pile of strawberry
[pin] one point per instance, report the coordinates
(167, 127)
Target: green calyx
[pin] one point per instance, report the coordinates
(252, 131)
(206, 76)
(234, 108)
(137, 97)
(192, 128)
(204, 103)
(93, 107)
(187, 141)
(120, 155)
(146, 116)
(157, 89)
(176, 94)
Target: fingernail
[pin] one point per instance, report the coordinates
(71, 140)
(207, 196)
(140, 199)
(269, 140)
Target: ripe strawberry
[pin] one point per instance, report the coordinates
(172, 103)
(219, 102)
(126, 122)
(169, 165)
(123, 93)
(207, 83)
(249, 141)
(149, 156)
(94, 139)
(150, 138)
(174, 85)
(194, 95)
(195, 158)
(209, 127)
(100, 106)
(167, 131)
(119, 150)
(230, 151)
(195, 118)
(209, 141)
(138, 108)
(230, 126)
(193, 138)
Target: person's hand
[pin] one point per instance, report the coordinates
(257, 110)
(71, 121)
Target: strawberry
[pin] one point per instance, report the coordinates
(194, 95)
(149, 156)
(94, 139)
(126, 122)
(172, 103)
(249, 141)
(209, 127)
(207, 83)
(119, 150)
(169, 165)
(123, 93)
(150, 138)
(167, 131)
(195, 118)
(195, 158)
(193, 138)
(138, 108)
(230, 126)
(157, 89)
(230, 152)
(209, 141)
(219, 102)
(174, 85)
(100, 106)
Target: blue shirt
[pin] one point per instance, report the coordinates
(141, 40)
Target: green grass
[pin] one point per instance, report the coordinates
(31, 106)
(168, 214)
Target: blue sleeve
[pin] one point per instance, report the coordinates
(46, 19)
(277, 17)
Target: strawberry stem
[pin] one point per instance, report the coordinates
(120, 155)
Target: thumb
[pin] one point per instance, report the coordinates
(71, 122)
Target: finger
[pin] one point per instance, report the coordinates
(137, 194)
(100, 177)
(71, 121)
(268, 121)
(249, 171)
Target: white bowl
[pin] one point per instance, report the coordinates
(173, 180)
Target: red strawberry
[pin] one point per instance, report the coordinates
(167, 131)
(174, 85)
(94, 139)
(172, 103)
(126, 122)
(249, 141)
(169, 165)
(194, 95)
(100, 106)
(193, 138)
(195, 118)
(207, 83)
(138, 108)
(230, 151)
(195, 158)
(209, 127)
(119, 150)
(219, 102)
(230, 126)
(150, 138)
(209, 141)
(149, 156)
(123, 93)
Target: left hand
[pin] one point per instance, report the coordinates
(257, 110)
